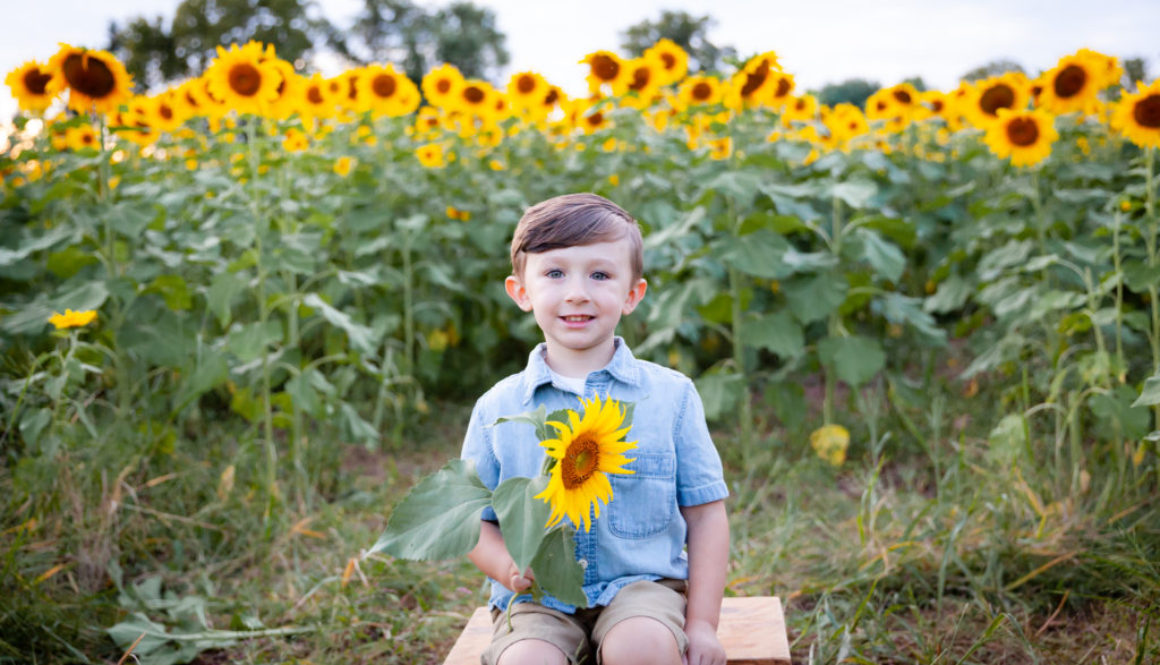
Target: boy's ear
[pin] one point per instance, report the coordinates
(635, 295)
(517, 292)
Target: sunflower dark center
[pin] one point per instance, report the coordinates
(552, 97)
(1147, 112)
(526, 84)
(165, 112)
(191, 100)
(783, 88)
(937, 105)
(443, 86)
(245, 79)
(314, 95)
(902, 96)
(87, 138)
(605, 68)
(800, 105)
(669, 59)
(352, 89)
(581, 460)
(755, 79)
(1069, 82)
(997, 97)
(88, 75)
(596, 119)
(880, 105)
(473, 94)
(640, 78)
(384, 85)
(702, 91)
(1023, 132)
(36, 81)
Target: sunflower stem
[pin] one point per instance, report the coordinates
(1153, 266)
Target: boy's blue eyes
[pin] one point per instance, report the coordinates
(555, 274)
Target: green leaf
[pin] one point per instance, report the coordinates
(439, 518)
(522, 519)
(9, 257)
(225, 287)
(1007, 440)
(856, 193)
(1139, 276)
(1116, 408)
(358, 428)
(951, 295)
(813, 298)
(131, 218)
(174, 291)
(720, 392)
(210, 372)
(537, 418)
(759, 254)
(885, 257)
(778, 333)
(361, 337)
(248, 341)
(32, 424)
(557, 570)
(1150, 395)
(855, 360)
(1013, 253)
(905, 310)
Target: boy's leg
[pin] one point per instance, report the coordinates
(537, 635)
(645, 623)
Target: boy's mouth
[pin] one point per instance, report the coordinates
(578, 318)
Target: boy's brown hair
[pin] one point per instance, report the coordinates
(572, 220)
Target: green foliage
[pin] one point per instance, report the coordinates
(685, 30)
(992, 68)
(851, 91)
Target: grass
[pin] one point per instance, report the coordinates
(923, 548)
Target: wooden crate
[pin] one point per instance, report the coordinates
(752, 631)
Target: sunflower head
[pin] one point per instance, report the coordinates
(1023, 136)
(1137, 115)
(673, 61)
(244, 78)
(585, 450)
(96, 80)
(606, 71)
(1011, 90)
(1071, 86)
(34, 85)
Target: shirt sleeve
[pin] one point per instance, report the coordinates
(699, 475)
(477, 447)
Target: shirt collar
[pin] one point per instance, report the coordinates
(622, 367)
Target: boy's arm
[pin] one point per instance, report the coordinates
(491, 556)
(708, 541)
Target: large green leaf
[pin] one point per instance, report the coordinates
(813, 298)
(557, 570)
(1116, 409)
(361, 337)
(247, 342)
(777, 332)
(439, 518)
(853, 359)
(885, 257)
(522, 519)
(758, 254)
(856, 193)
(720, 392)
(1150, 395)
(225, 287)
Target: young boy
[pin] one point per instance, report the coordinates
(577, 267)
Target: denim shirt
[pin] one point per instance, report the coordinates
(640, 534)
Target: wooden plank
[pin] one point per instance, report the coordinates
(752, 630)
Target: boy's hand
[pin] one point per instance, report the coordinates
(704, 647)
(519, 583)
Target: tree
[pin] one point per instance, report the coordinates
(1135, 69)
(154, 54)
(685, 30)
(851, 91)
(398, 31)
(993, 68)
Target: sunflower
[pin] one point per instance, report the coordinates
(699, 90)
(1024, 136)
(33, 85)
(441, 85)
(1106, 67)
(290, 91)
(781, 92)
(586, 449)
(343, 166)
(71, 319)
(81, 138)
(799, 109)
(592, 115)
(431, 155)
(1070, 86)
(932, 104)
(475, 97)
(295, 141)
(720, 148)
(1137, 115)
(525, 90)
(243, 78)
(1011, 91)
(674, 62)
(318, 97)
(163, 111)
(644, 81)
(754, 83)
(96, 80)
(605, 68)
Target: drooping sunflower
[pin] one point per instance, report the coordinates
(1024, 136)
(96, 80)
(586, 449)
(1010, 90)
(701, 90)
(605, 68)
(1070, 86)
(674, 62)
(1137, 115)
(243, 78)
(33, 85)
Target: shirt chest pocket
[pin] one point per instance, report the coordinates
(643, 503)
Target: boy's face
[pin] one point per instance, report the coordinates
(578, 295)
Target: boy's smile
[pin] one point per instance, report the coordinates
(578, 295)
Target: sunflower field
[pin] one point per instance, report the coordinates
(236, 315)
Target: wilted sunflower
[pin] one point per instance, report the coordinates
(1137, 115)
(672, 58)
(33, 85)
(96, 80)
(1024, 136)
(605, 68)
(243, 78)
(1011, 91)
(586, 449)
(1070, 86)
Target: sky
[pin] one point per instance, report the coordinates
(818, 42)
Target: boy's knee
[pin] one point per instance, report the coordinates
(532, 652)
(640, 640)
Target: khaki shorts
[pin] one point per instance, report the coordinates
(663, 600)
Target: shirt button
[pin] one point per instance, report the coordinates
(583, 563)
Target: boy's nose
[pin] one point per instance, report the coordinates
(576, 291)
